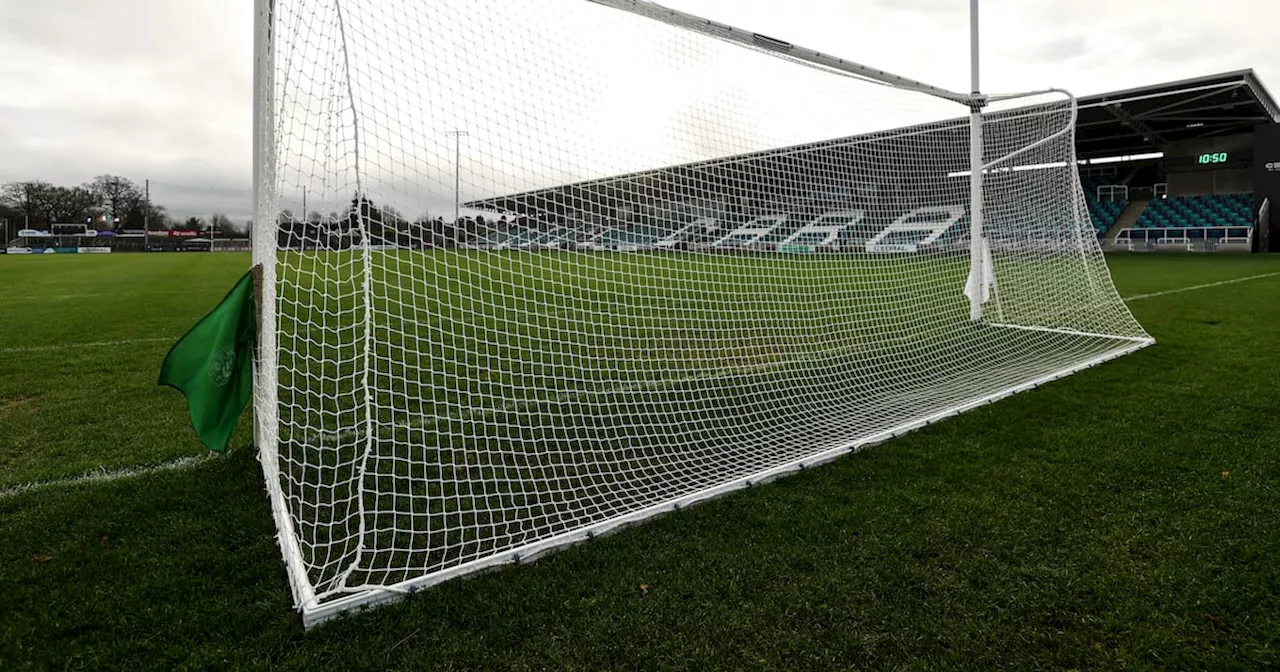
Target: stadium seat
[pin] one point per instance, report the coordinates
(1199, 212)
(1104, 215)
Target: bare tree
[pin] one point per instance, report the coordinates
(10, 213)
(117, 195)
(221, 223)
(72, 204)
(37, 204)
(30, 198)
(157, 219)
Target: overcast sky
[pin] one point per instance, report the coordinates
(161, 89)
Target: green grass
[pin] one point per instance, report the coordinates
(72, 400)
(562, 390)
(1123, 517)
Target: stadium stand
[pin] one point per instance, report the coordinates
(1194, 212)
(1103, 214)
(556, 238)
(640, 236)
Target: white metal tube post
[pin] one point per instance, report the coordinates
(458, 135)
(976, 243)
(264, 240)
(262, 237)
(755, 40)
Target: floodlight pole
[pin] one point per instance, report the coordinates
(977, 244)
(457, 173)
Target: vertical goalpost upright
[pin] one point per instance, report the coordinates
(977, 267)
(433, 398)
(263, 235)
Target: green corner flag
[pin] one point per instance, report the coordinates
(213, 365)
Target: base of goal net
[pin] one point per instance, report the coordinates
(315, 613)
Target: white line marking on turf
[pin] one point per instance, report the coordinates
(74, 346)
(1194, 287)
(101, 475)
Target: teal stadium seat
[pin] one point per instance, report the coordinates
(1103, 214)
(1223, 210)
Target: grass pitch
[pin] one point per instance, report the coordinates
(565, 389)
(1121, 517)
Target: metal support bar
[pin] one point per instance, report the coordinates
(1212, 131)
(728, 33)
(1257, 118)
(1136, 124)
(1183, 103)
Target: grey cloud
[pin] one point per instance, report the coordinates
(139, 88)
(932, 7)
(1063, 48)
(161, 89)
(1189, 47)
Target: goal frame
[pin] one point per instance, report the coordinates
(266, 413)
(266, 378)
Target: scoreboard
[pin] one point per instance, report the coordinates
(1213, 158)
(1211, 154)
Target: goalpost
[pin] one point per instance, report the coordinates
(589, 261)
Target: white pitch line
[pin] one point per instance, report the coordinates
(1167, 292)
(76, 346)
(101, 475)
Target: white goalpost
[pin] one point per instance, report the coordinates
(532, 272)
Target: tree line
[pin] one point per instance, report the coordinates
(382, 225)
(109, 202)
(115, 203)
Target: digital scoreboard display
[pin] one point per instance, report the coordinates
(1218, 159)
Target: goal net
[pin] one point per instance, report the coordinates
(537, 270)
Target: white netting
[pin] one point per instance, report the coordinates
(682, 264)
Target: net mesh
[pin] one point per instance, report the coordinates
(547, 267)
